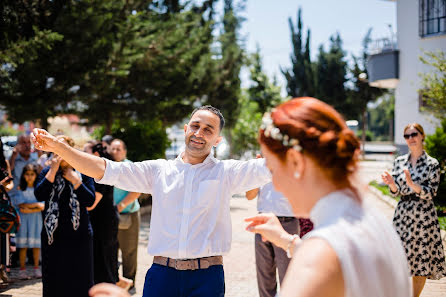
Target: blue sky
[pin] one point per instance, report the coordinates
(267, 25)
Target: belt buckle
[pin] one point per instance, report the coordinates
(184, 265)
(179, 265)
(204, 264)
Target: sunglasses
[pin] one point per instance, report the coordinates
(413, 135)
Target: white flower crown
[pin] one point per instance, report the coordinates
(270, 130)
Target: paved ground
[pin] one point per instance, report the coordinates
(240, 263)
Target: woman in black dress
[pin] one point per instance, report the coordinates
(104, 219)
(6, 184)
(415, 177)
(67, 236)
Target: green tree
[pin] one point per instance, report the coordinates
(260, 97)
(436, 147)
(157, 69)
(434, 83)
(300, 78)
(226, 93)
(262, 91)
(246, 129)
(104, 59)
(27, 90)
(331, 75)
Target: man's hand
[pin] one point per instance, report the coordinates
(107, 290)
(43, 140)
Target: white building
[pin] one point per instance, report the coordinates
(421, 26)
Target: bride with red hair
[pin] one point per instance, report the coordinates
(353, 250)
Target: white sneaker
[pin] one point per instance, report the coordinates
(37, 272)
(23, 275)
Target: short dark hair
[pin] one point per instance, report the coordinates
(214, 110)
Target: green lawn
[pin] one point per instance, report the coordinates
(385, 191)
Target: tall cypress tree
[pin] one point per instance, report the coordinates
(300, 79)
(227, 75)
(331, 75)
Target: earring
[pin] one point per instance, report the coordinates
(296, 175)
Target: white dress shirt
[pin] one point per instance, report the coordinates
(371, 254)
(269, 200)
(190, 203)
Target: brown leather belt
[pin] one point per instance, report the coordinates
(191, 264)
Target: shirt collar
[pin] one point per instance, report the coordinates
(421, 158)
(209, 158)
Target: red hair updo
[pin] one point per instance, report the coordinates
(322, 134)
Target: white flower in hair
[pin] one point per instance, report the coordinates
(271, 131)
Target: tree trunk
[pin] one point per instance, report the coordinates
(44, 123)
(364, 128)
(391, 133)
(108, 125)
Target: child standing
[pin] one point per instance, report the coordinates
(30, 210)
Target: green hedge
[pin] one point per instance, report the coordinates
(435, 146)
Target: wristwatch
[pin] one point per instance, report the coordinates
(122, 205)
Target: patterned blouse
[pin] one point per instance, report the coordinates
(426, 174)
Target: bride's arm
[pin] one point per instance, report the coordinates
(314, 271)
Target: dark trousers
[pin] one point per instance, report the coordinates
(128, 244)
(169, 282)
(270, 258)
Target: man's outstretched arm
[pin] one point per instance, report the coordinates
(87, 164)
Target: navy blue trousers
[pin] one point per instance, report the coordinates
(163, 281)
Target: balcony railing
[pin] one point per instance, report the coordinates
(382, 63)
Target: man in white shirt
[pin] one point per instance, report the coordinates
(269, 257)
(190, 223)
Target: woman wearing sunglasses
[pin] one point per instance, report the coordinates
(415, 178)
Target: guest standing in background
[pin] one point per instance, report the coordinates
(67, 236)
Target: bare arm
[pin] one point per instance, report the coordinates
(251, 194)
(98, 196)
(14, 155)
(131, 196)
(85, 163)
(8, 185)
(314, 271)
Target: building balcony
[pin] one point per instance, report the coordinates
(383, 65)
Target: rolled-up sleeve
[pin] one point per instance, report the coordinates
(128, 176)
(248, 175)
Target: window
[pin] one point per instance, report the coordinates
(432, 17)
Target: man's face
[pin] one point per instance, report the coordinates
(202, 132)
(117, 150)
(24, 145)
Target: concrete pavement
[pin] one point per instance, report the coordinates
(240, 262)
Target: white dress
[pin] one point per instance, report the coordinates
(370, 252)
